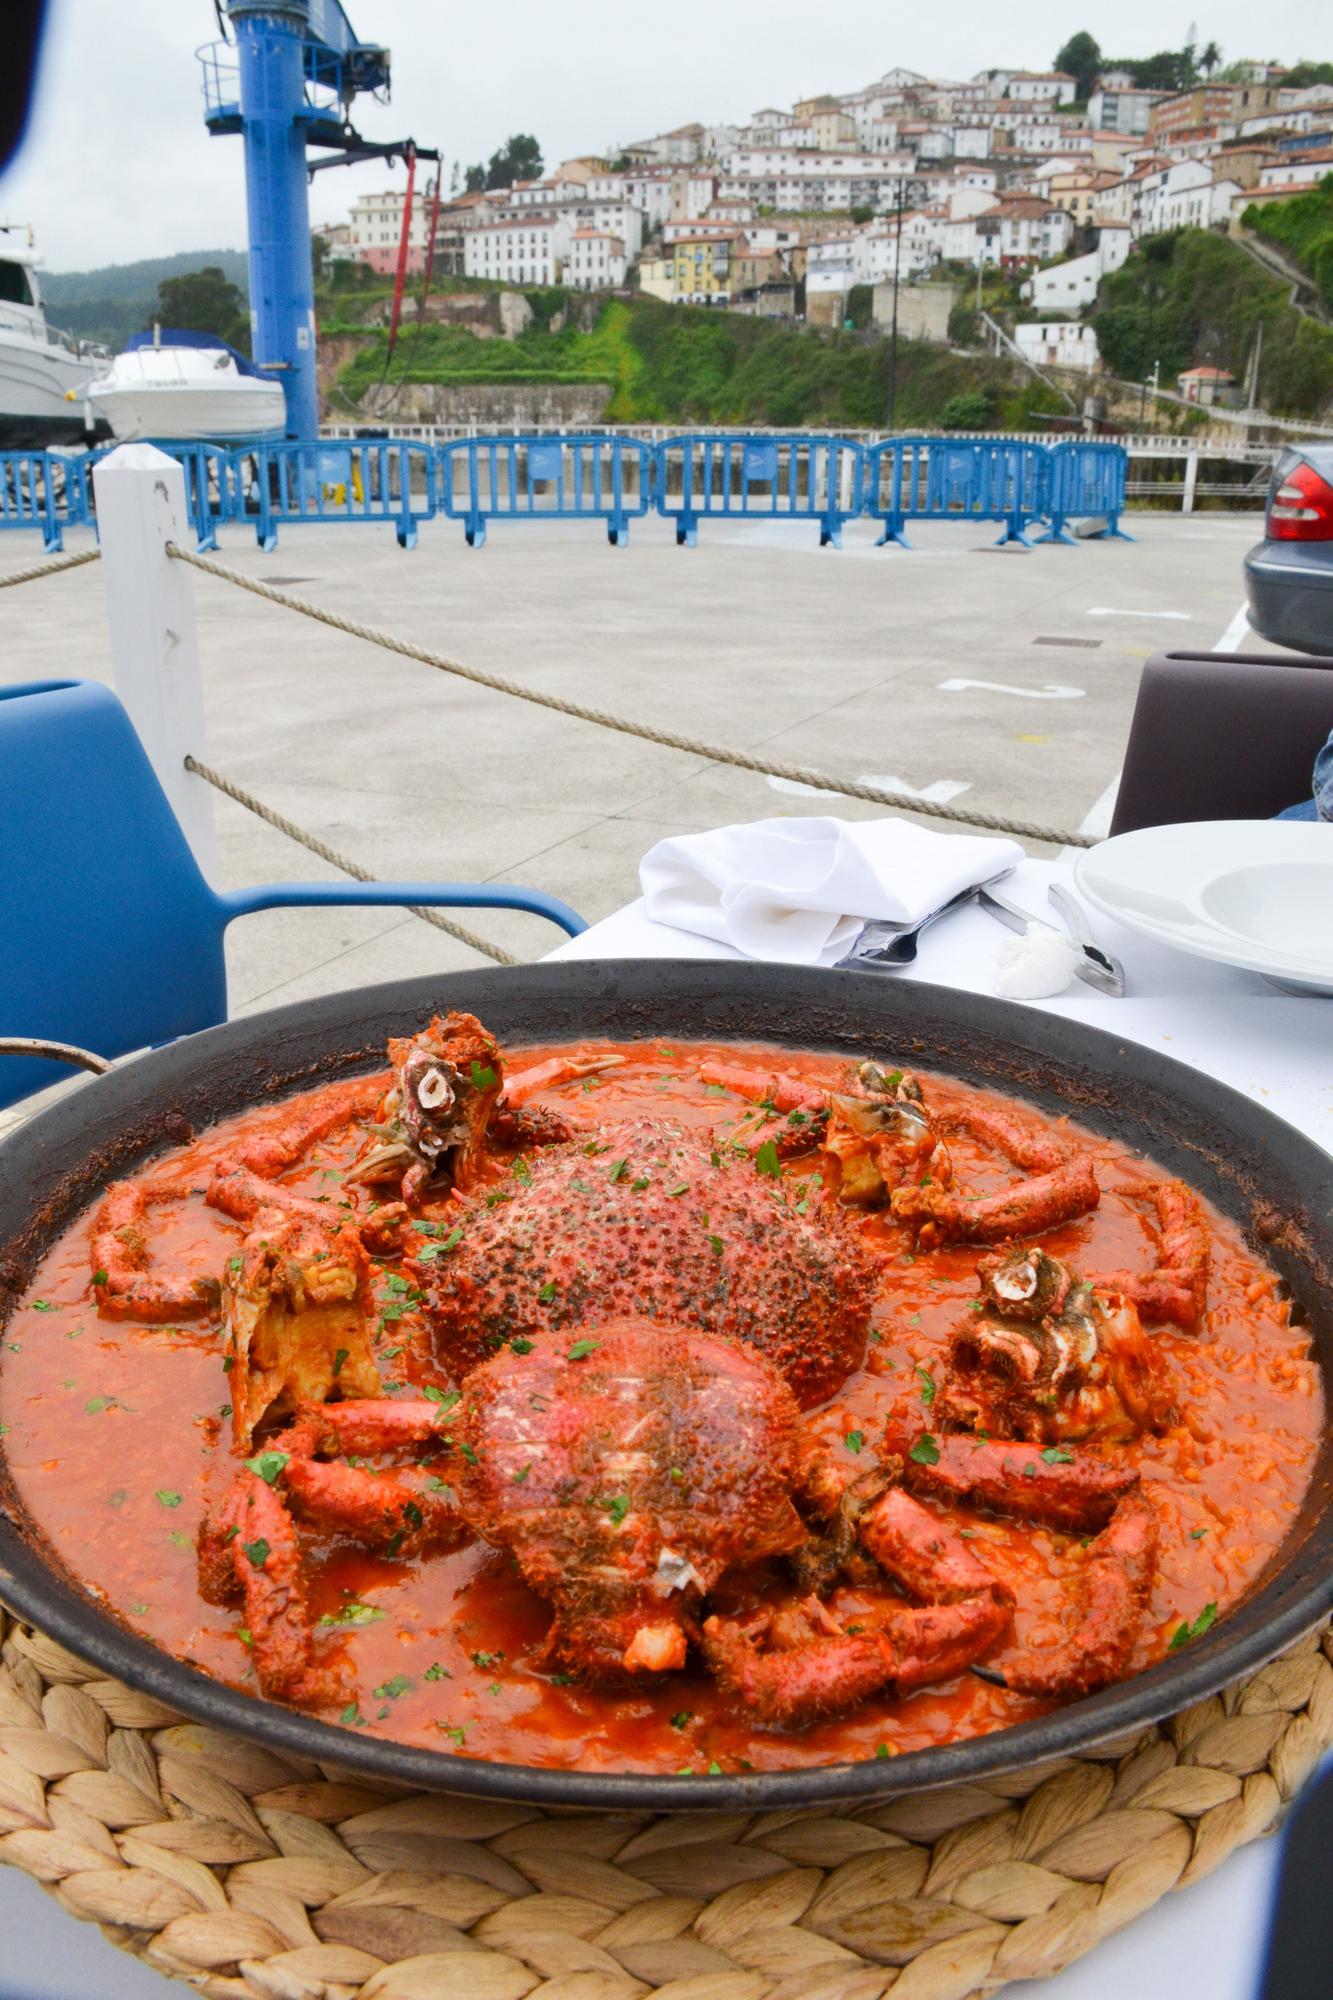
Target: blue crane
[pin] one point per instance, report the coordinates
(286, 84)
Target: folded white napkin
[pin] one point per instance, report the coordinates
(798, 890)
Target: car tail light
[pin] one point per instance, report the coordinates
(1301, 510)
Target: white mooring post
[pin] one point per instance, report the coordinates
(1191, 482)
(150, 615)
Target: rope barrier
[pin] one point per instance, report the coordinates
(50, 568)
(800, 774)
(340, 861)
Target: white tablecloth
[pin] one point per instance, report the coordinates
(1275, 1047)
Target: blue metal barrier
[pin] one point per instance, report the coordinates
(1087, 481)
(47, 490)
(942, 479)
(212, 484)
(769, 478)
(575, 478)
(360, 479)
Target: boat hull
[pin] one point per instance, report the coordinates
(213, 411)
(35, 377)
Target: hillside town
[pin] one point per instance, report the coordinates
(907, 186)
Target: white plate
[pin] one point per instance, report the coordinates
(1255, 893)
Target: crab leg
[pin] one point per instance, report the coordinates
(380, 1510)
(1062, 1492)
(124, 1286)
(522, 1084)
(270, 1153)
(240, 1192)
(757, 1086)
(253, 1534)
(1061, 1184)
(1178, 1289)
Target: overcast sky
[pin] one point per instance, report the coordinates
(118, 165)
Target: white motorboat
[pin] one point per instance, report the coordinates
(39, 365)
(173, 384)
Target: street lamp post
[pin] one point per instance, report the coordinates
(893, 327)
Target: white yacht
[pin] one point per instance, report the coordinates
(174, 384)
(39, 365)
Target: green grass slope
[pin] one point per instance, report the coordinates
(1303, 226)
(1193, 298)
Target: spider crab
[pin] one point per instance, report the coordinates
(627, 1472)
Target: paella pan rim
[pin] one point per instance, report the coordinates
(1271, 1179)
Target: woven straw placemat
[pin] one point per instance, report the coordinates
(257, 1877)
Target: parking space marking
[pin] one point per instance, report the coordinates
(1051, 691)
(939, 792)
(1109, 611)
(1235, 632)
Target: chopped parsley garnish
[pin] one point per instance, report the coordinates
(925, 1451)
(766, 1160)
(435, 1672)
(638, 1186)
(269, 1465)
(228, 1363)
(717, 1090)
(430, 1251)
(715, 1245)
(468, 1454)
(681, 1187)
(178, 1540)
(96, 1404)
(256, 1553)
(854, 1440)
(483, 1077)
(1197, 1534)
(546, 1296)
(582, 1349)
(428, 1228)
(486, 1659)
(521, 1171)
(883, 1750)
(1055, 1454)
(562, 1680)
(682, 1719)
(41, 1305)
(456, 1735)
(594, 1147)
(617, 1507)
(391, 1689)
(677, 1474)
(233, 1264)
(617, 1170)
(342, 1355)
(446, 1398)
(519, 1478)
(353, 1613)
(1185, 1632)
(99, 1277)
(927, 1384)
(168, 1497)
(412, 1513)
(352, 1716)
(520, 1345)
(714, 1769)
(395, 1543)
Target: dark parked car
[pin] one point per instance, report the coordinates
(1289, 575)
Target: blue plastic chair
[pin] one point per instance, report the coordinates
(110, 937)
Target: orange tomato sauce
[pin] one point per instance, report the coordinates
(118, 1439)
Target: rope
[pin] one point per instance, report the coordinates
(336, 860)
(49, 568)
(800, 774)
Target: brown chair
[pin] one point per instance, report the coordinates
(1223, 736)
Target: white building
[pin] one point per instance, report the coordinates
(1021, 229)
(1120, 110)
(1052, 87)
(519, 250)
(596, 261)
(1071, 286)
(1057, 344)
(1184, 195)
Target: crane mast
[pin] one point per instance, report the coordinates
(286, 83)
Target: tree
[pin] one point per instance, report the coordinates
(1081, 58)
(474, 181)
(1210, 58)
(1169, 69)
(205, 302)
(519, 159)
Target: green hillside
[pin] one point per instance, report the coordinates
(677, 364)
(1193, 298)
(1304, 226)
(117, 300)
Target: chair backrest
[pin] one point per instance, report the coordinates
(1223, 736)
(109, 935)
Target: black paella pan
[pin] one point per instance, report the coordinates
(1277, 1184)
